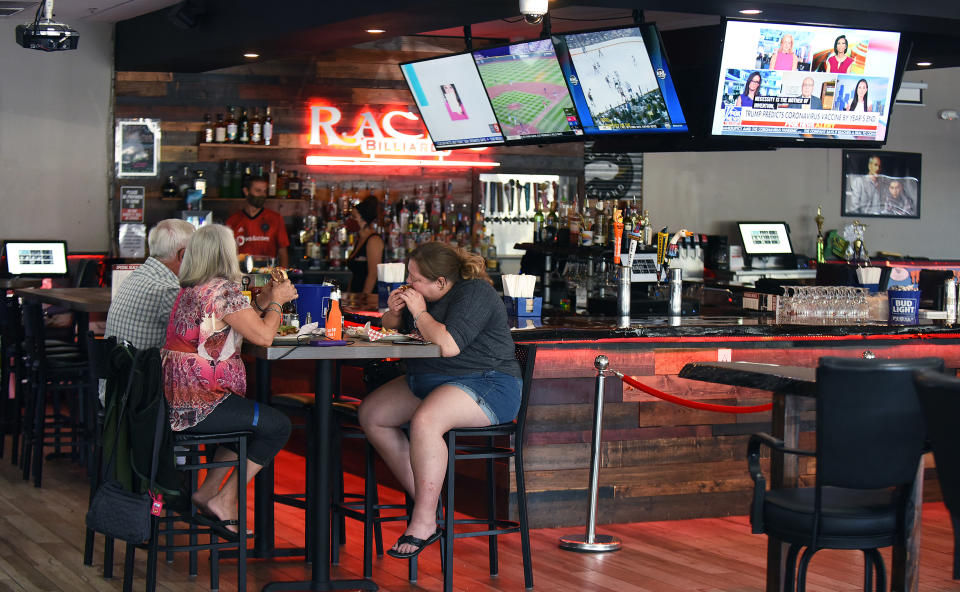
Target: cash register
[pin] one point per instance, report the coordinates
(767, 253)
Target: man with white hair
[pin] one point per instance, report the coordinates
(141, 307)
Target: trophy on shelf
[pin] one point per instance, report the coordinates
(819, 220)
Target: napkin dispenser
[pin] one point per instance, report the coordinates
(523, 307)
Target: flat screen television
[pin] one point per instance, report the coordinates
(765, 238)
(452, 102)
(796, 83)
(527, 90)
(36, 258)
(620, 81)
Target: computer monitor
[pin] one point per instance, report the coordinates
(452, 102)
(36, 258)
(765, 238)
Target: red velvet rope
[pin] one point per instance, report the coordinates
(694, 404)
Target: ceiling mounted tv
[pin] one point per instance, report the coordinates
(806, 83)
(620, 81)
(527, 90)
(452, 102)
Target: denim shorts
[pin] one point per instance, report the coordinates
(497, 393)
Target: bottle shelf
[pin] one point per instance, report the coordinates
(214, 151)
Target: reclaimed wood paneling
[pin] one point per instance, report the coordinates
(658, 460)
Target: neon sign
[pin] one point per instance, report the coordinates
(379, 142)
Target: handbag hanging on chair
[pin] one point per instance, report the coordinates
(114, 511)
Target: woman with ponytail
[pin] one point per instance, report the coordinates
(476, 382)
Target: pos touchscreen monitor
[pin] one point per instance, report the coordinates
(806, 83)
(620, 81)
(36, 258)
(526, 87)
(765, 238)
(452, 102)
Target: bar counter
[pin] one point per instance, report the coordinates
(659, 460)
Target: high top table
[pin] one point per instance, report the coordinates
(794, 389)
(80, 301)
(318, 549)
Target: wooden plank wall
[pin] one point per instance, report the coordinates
(353, 80)
(660, 461)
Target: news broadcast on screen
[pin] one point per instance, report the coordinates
(803, 81)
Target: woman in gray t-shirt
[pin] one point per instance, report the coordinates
(476, 381)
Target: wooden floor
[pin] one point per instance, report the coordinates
(41, 539)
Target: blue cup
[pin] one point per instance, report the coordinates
(315, 299)
(383, 292)
(904, 307)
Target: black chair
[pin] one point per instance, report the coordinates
(180, 529)
(870, 438)
(54, 380)
(940, 400)
(464, 444)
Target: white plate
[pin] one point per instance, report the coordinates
(390, 337)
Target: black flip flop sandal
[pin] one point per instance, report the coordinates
(420, 544)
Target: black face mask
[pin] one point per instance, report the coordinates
(256, 201)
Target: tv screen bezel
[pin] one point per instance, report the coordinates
(533, 141)
(646, 30)
(6, 257)
(731, 141)
(424, 120)
(786, 229)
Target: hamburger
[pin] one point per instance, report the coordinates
(278, 274)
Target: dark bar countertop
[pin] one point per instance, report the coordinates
(593, 328)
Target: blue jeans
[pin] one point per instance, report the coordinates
(497, 393)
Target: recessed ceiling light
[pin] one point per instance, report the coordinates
(751, 11)
(251, 55)
(376, 31)
(924, 64)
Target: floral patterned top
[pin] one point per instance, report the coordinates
(201, 357)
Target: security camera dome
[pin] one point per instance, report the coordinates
(533, 10)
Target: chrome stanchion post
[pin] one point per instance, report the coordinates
(591, 541)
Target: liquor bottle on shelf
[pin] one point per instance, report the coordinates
(226, 180)
(538, 223)
(282, 180)
(207, 129)
(647, 228)
(232, 130)
(332, 202)
(563, 219)
(272, 180)
(220, 130)
(243, 128)
(236, 180)
(256, 127)
(294, 185)
(491, 254)
(573, 222)
(268, 129)
(550, 230)
(184, 182)
(169, 188)
(600, 224)
(308, 188)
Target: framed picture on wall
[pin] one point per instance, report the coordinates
(881, 184)
(137, 147)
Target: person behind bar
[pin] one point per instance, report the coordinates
(750, 90)
(363, 261)
(140, 310)
(259, 231)
(476, 381)
(203, 375)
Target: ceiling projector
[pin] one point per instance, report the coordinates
(45, 34)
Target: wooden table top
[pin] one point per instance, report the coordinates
(76, 299)
(794, 380)
(357, 350)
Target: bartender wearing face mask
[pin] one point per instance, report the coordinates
(369, 246)
(259, 231)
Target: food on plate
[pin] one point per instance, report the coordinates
(284, 330)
